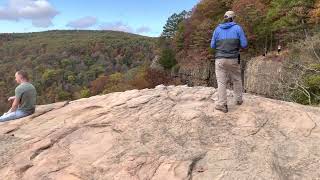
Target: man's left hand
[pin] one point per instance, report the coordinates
(12, 98)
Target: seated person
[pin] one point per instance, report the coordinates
(24, 100)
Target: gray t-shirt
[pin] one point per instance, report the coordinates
(26, 94)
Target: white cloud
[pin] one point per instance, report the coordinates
(117, 26)
(120, 26)
(84, 22)
(143, 29)
(40, 12)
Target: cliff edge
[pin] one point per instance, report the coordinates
(166, 133)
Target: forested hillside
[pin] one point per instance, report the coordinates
(67, 65)
(289, 23)
(267, 23)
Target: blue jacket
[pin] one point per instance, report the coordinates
(227, 39)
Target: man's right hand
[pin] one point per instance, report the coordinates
(12, 98)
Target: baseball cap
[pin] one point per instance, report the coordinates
(229, 14)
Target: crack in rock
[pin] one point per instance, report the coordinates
(40, 150)
(49, 110)
(313, 128)
(193, 165)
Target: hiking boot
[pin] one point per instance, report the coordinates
(223, 108)
(239, 103)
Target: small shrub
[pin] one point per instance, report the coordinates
(85, 93)
(167, 59)
(63, 95)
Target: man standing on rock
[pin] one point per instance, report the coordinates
(228, 38)
(24, 100)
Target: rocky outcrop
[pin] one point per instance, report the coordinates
(155, 64)
(163, 133)
(266, 76)
(201, 74)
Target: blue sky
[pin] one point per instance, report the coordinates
(145, 17)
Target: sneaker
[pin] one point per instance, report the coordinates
(222, 108)
(239, 103)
